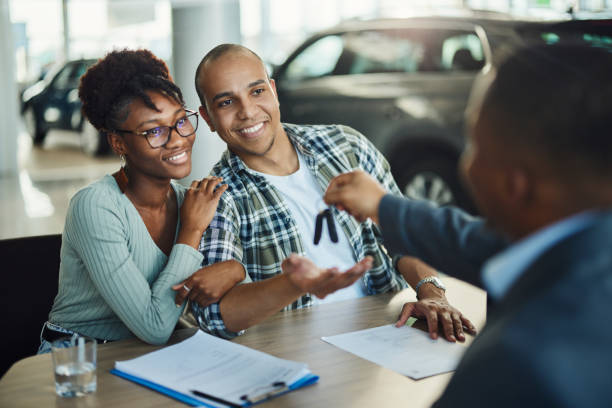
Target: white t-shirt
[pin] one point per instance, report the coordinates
(304, 199)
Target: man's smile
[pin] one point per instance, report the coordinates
(251, 131)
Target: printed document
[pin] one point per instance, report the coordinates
(215, 367)
(406, 350)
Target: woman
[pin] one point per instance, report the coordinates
(130, 237)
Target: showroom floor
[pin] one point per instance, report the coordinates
(35, 201)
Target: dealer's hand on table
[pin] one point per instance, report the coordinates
(432, 304)
(435, 308)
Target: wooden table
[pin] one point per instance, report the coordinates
(345, 380)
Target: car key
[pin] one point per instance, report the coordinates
(318, 227)
(331, 226)
(328, 216)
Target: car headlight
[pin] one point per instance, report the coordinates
(52, 115)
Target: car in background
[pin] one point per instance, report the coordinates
(53, 103)
(404, 83)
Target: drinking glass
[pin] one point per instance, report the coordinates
(74, 364)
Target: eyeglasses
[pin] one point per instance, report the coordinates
(160, 135)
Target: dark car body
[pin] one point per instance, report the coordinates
(404, 84)
(53, 103)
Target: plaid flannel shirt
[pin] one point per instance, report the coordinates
(254, 226)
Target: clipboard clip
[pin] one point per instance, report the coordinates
(262, 393)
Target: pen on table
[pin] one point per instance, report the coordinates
(278, 387)
(216, 399)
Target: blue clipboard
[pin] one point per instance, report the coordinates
(307, 380)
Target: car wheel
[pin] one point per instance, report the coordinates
(33, 127)
(433, 179)
(93, 142)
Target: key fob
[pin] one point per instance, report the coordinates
(331, 226)
(318, 228)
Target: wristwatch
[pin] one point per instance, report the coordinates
(430, 279)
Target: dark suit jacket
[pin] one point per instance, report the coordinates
(446, 238)
(548, 342)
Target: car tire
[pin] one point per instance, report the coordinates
(32, 125)
(93, 142)
(434, 179)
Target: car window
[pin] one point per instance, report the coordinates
(462, 52)
(80, 69)
(62, 79)
(68, 77)
(383, 51)
(592, 39)
(596, 33)
(318, 59)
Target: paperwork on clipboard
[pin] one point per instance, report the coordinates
(406, 350)
(204, 370)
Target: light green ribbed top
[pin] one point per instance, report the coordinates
(114, 281)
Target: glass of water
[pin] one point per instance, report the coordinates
(74, 364)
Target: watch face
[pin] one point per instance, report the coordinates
(438, 283)
(430, 279)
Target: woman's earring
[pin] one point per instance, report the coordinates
(122, 158)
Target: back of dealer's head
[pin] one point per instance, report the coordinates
(540, 136)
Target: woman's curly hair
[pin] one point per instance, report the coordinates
(112, 83)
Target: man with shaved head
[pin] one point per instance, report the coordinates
(276, 175)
